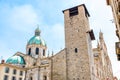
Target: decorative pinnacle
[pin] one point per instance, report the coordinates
(98, 45)
(52, 53)
(100, 35)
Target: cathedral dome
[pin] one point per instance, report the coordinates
(37, 39)
(16, 60)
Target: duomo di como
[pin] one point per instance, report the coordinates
(77, 61)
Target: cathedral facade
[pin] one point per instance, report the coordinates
(75, 62)
(102, 63)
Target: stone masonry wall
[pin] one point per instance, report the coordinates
(59, 66)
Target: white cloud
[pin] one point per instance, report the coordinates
(23, 17)
(54, 36)
(58, 31)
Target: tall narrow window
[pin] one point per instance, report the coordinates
(45, 78)
(31, 78)
(7, 70)
(76, 50)
(14, 71)
(13, 78)
(37, 51)
(20, 78)
(91, 33)
(21, 73)
(29, 51)
(119, 6)
(43, 52)
(6, 77)
(73, 11)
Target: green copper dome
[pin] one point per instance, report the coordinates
(37, 39)
(16, 60)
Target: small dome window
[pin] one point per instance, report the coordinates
(29, 51)
(43, 52)
(37, 51)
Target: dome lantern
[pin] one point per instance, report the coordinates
(37, 32)
(37, 39)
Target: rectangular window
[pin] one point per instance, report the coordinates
(119, 21)
(76, 50)
(91, 35)
(6, 77)
(20, 78)
(73, 11)
(118, 57)
(7, 70)
(21, 73)
(13, 78)
(14, 71)
(108, 2)
(45, 78)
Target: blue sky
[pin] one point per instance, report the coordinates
(19, 19)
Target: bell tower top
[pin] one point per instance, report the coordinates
(76, 25)
(74, 11)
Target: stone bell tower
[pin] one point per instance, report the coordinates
(78, 37)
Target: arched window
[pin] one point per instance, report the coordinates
(44, 77)
(29, 51)
(37, 51)
(43, 52)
